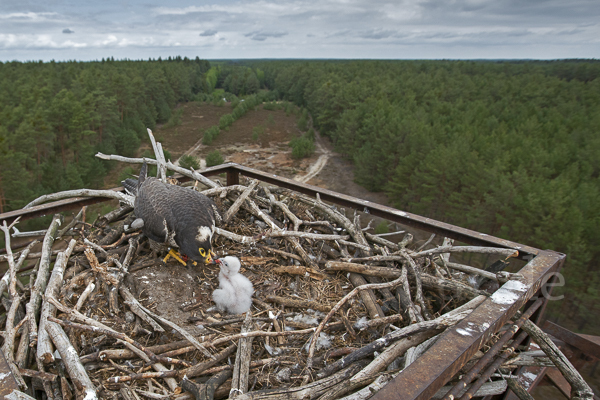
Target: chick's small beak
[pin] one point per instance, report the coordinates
(209, 258)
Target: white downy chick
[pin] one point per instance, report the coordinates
(234, 294)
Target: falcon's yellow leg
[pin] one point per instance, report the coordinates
(175, 255)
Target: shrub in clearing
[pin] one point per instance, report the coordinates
(188, 161)
(214, 158)
(302, 147)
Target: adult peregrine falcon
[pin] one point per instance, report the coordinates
(175, 216)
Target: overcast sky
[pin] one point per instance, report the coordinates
(406, 29)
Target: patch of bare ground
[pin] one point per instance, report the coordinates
(195, 120)
(269, 152)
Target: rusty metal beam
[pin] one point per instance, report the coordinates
(8, 384)
(493, 351)
(589, 345)
(422, 379)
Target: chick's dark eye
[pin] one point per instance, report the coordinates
(202, 252)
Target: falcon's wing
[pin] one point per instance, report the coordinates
(192, 209)
(152, 204)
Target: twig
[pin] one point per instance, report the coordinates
(468, 249)
(380, 362)
(380, 321)
(6, 279)
(89, 289)
(298, 303)
(12, 276)
(67, 194)
(186, 172)
(239, 201)
(183, 332)
(136, 308)
(313, 342)
(234, 236)
(239, 381)
(161, 172)
(437, 324)
(41, 280)
(44, 346)
(121, 336)
(519, 390)
(189, 372)
(69, 356)
(579, 388)
(309, 391)
(414, 268)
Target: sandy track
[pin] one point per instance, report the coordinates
(318, 165)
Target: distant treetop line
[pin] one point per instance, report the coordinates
(509, 148)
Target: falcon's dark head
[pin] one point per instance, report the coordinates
(199, 248)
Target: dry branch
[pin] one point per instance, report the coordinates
(76, 371)
(468, 249)
(136, 308)
(183, 332)
(239, 201)
(121, 336)
(68, 194)
(298, 303)
(580, 390)
(39, 287)
(449, 319)
(239, 380)
(189, 372)
(313, 342)
(309, 391)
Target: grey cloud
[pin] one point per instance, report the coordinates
(570, 31)
(67, 30)
(376, 34)
(209, 32)
(262, 36)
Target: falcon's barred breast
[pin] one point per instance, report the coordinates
(174, 215)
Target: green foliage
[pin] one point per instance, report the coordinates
(381, 227)
(210, 135)
(272, 106)
(239, 80)
(214, 158)
(226, 120)
(271, 119)
(257, 131)
(175, 119)
(188, 161)
(505, 148)
(302, 123)
(127, 172)
(56, 116)
(302, 147)
(212, 76)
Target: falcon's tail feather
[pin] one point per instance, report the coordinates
(143, 173)
(130, 185)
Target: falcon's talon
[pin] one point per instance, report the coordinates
(175, 255)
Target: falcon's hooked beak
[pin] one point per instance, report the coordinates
(209, 258)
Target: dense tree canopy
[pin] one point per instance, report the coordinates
(55, 116)
(509, 149)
